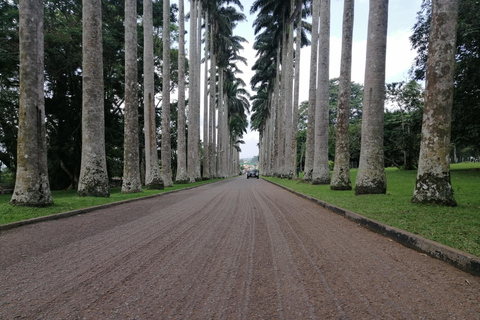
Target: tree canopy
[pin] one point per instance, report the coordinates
(466, 105)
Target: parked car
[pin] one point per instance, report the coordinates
(252, 173)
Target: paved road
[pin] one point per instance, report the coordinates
(237, 249)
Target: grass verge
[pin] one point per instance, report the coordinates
(64, 201)
(457, 227)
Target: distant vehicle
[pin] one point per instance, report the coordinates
(252, 173)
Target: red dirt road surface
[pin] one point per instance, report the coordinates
(237, 249)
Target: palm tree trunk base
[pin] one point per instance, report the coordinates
(317, 182)
(33, 197)
(182, 181)
(431, 189)
(307, 176)
(156, 184)
(373, 188)
(340, 187)
(129, 187)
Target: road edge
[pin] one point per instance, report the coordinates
(459, 259)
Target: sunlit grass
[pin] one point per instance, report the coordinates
(64, 201)
(457, 227)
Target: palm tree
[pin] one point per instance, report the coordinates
(181, 176)
(153, 178)
(222, 132)
(288, 169)
(193, 163)
(131, 161)
(238, 107)
(206, 139)
(321, 171)
(273, 50)
(341, 171)
(212, 152)
(277, 120)
(433, 177)
(296, 93)
(93, 179)
(197, 63)
(312, 96)
(166, 143)
(371, 177)
(274, 72)
(225, 49)
(31, 186)
(260, 114)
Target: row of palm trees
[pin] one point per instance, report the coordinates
(226, 102)
(275, 106)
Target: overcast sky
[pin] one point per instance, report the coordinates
(402, 17)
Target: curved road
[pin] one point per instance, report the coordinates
(237, 249)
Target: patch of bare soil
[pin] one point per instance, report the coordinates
(238, 249)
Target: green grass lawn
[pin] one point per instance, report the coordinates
(457, 227)
(64, 201)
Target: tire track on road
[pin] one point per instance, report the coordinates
(236, 249)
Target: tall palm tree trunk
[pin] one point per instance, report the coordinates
(321, 171)
(371, 178)
(93, 179)
(296, 93)
(276, 124)
(206, 140)
(166, 141)
(281, 105)
(181, 176)
(192, 99)
(270, 141)
(198, 171)
(288, 79)
(341, 171)
(131, 160)
(279, 119)
(261, 151)
(31, 185)
(212, 112)
(221, 119)
(433, 176)
(312, 94)
(153, 178)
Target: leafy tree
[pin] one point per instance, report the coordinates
(302, 134)
(63, 84)
(9, 83)
(466, 99)
(403, 125)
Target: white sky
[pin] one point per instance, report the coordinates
(402, 17)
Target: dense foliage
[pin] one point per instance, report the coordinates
(403, 121)
(63, 84)
(466, 108)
